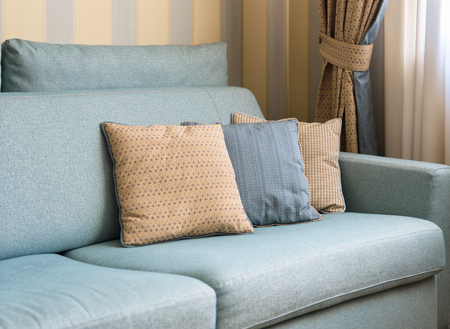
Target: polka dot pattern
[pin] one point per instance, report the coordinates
(319, 146)
(347, 22)
(174, 182)
(349, 57)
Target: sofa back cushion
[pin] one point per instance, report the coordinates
(37, 66)
(56, 178)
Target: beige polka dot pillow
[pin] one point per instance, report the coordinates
(319, 146)
(174, 182)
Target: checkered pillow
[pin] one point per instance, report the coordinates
(319, 146)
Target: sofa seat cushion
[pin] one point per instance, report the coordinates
(52, 291)
(281, 272)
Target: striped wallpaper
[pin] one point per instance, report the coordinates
(268, 40)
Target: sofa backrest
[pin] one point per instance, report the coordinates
(56, 180)
(36, 66)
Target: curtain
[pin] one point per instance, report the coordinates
(352, 26)
(417, 80)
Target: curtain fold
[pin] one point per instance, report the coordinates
(417, 79)
(347, 21)
(367, 131)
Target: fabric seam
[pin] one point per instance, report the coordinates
(323, 252)
(434, 272)
(101, 93)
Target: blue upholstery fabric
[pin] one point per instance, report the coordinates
(382, 185)
(411, 306)
(57, 194)
(222, 99)
(269, 172)
(36, 66)
(52, 291)
(281, 272)
(57, 190)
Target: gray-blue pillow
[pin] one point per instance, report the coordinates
(269, 172)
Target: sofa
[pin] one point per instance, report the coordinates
(68, 258)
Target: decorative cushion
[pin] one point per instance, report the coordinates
(269, 172)
(174, 182)
(319, 145)
(40, 66)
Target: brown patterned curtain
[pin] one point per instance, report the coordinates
(343, 23)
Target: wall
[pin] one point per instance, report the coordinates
(272, 44)
(256, 31)
(275, 56)
(125, 22)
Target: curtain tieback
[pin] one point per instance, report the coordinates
(345, 55)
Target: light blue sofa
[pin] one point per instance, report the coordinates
(381, 264)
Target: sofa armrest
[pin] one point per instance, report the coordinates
(373, 184)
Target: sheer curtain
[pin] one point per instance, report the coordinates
(417, 80)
